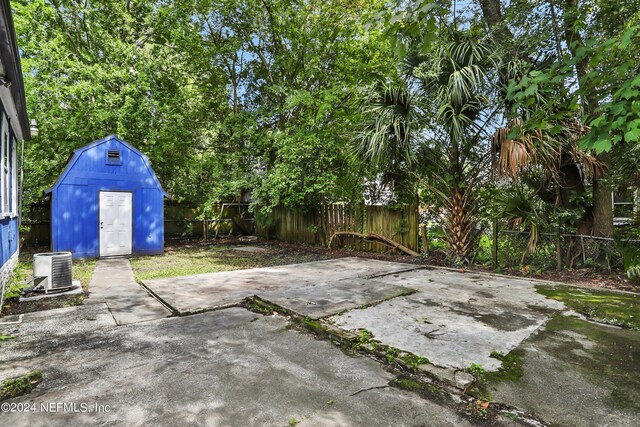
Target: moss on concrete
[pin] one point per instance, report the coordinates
(613, 308)
(429, 391)
(258, 305)
(511, 370)
(592, 363)
(608, 357)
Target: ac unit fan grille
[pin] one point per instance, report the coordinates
(61, 272)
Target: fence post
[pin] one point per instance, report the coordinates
(425, 239)
(558, 252)
(494, 249)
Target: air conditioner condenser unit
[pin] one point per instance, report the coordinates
(52, 271)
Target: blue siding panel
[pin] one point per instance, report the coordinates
(8, 238)
(8, 225)
(148, 220)
(75, 199)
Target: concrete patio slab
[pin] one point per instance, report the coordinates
(236, 367)
(455, 319)
(229, 367)
(113, 283)
(576, 373)
(325, 299)
(202, 292)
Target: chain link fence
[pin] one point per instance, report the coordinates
(516, 250)
(549, 251)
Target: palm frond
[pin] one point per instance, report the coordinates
(388, 126)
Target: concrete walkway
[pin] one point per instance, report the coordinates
(113, 283)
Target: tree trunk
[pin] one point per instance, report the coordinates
(602, 203)
(493, 15)
(459, 226)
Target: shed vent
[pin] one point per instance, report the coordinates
(113, 156)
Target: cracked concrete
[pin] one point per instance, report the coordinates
(202, 292)
(232, 366)
(455, 319)
(226, 367)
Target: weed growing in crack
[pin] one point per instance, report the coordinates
(413, 361)
(476, 370)
(477, 408)
(18, 386)
(392, 354)
(364, 338)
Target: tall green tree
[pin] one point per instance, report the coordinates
(578, 40)
(93, 69)
(222, 95)
(294, 70)
(434, 123)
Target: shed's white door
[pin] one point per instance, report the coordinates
(115, 223)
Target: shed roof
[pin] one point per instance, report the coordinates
(78, 152)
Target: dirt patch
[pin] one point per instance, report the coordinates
(582, 277)
(13, 306)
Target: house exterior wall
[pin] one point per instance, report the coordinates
(14, 128)
(8, 198)
(75, 199)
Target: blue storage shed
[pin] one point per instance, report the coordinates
(107, 202)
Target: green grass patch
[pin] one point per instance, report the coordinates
(185, 261)
(6, 337)
(82, 270)
(14, 387)
(19, 279)
(613, 308)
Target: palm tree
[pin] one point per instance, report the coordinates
(439, 108)
(552, 155)
(456, 78)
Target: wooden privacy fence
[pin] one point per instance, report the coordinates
(313, 227)
(317, 227)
